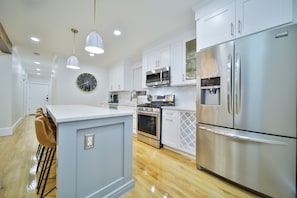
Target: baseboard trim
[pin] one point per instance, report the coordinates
(9, 130)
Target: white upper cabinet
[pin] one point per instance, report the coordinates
(120, 77)
(236, 18)
(137, 78)
(178, 53)
(158, 58)
(183, 67)
(254, 15)
(155, 58)
(216, 27)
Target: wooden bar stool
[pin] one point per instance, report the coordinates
(46, 137)
(41, 149)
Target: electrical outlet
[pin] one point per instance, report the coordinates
(89, 141)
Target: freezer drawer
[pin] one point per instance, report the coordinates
(264, 163)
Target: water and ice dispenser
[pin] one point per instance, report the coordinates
(210, 91)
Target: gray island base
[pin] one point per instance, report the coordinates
(94, 151)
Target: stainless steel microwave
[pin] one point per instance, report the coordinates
(158, 77)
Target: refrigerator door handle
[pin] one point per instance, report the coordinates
(244, 138)
(229, 76)
(237, 83)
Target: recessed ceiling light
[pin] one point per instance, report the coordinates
(37, 62)
(38, 69)
(91, 54)
(38, 73)
(35, 39)
(117, 32)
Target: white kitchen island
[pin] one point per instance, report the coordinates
(94, 151)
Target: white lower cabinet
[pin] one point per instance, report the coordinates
(179, 130)
(133, 109)
(187, 132)
(170, 126)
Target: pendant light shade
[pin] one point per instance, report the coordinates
(72, 62)
(94, 43)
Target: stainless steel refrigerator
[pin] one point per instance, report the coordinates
(246, 111)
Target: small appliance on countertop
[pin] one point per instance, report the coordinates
(149, 116)
(113, 98)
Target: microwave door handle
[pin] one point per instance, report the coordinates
(229, 75)
(238, 83)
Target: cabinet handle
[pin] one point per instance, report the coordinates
(232, 29)
(239, 26)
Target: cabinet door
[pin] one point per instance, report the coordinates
(158, 58)
(254, 15)
(137, 80)
(190, 61)
(120, 77)
(170, 128)
(163, 57)
(216, 27)
(177, 69)
(113, 79)
(183, 63)
(132, 109)
(151, 61)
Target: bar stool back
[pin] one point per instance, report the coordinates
(46, 137)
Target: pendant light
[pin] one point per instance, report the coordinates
(94, 42)
(72, 61)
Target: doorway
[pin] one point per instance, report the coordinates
(37, 97)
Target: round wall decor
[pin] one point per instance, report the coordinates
(86, 82)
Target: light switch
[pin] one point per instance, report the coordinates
(89, 141)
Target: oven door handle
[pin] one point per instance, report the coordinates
(148, 114)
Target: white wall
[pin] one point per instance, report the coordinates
(185, 97)
(65, 91)
(12, 83)
(5, 90)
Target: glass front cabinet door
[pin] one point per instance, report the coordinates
(190, 60)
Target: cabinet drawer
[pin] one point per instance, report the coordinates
(170, 113)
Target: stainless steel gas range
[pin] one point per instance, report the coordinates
(149, 119)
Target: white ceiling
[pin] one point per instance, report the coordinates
(142, 23)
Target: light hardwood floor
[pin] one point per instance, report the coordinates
(157, 172)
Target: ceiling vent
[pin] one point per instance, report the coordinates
(5, 44)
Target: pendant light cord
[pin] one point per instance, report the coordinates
(74, 32)
(94, 12)
(73, 42)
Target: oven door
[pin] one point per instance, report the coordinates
(148, 124)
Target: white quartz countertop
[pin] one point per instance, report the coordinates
(69, 113)
(180, 108)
